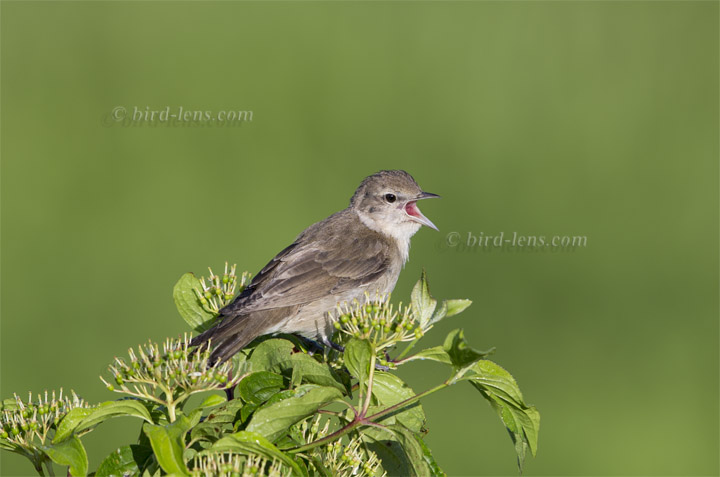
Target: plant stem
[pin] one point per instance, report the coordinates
(171, 411)
(406, 402)
(407, 349)
(364, 421)
(38, 468)
(329, 438)
(49, 467)
(371, 377)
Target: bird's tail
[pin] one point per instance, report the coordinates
(229, 336)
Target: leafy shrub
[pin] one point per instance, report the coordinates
(294, 408)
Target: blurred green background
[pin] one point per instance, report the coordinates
(550, 118)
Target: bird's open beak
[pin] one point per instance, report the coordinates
(414, 213)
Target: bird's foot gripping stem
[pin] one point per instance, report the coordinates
(341, 348)
(330, 344)
(325, 342)
(313, 346)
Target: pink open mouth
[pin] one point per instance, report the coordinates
(414, 213)
(411, 209)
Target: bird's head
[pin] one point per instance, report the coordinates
(387, 202)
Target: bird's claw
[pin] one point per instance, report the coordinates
(330, 344)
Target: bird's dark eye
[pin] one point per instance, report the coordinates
(390, 198)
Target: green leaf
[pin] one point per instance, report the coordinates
(257, 387)
(81, 419)
(522, 425)
(422, 302)
(9, 404)
(306, 369)
(398, 450)
(71, 453)
(189, 306)
(455, 307)
(239, 360)
(245, 414)
(212, 401)
(168, 444)
(67, 425)
(226, 414)
(496, 380)
(436, 353)
(319, 466)
(208, 431)
(412, 449)
(449, 308)
(439, 313)
(5, 445)
(500, 389)
(248, 442)
(218, 422)
(270, 354)
(357, 355)
(276, 355)
(388, 389)
(388, 449)
(435, 470)
(127, 460)
(461, 355)
(532, 429)
(274, 420)
(285, 394)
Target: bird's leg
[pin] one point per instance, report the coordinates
(230, 393)
(311, 345)
(326, 341)
(330, 344)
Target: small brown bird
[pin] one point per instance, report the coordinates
(359, 249)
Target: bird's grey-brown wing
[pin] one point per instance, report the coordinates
(306, 271)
